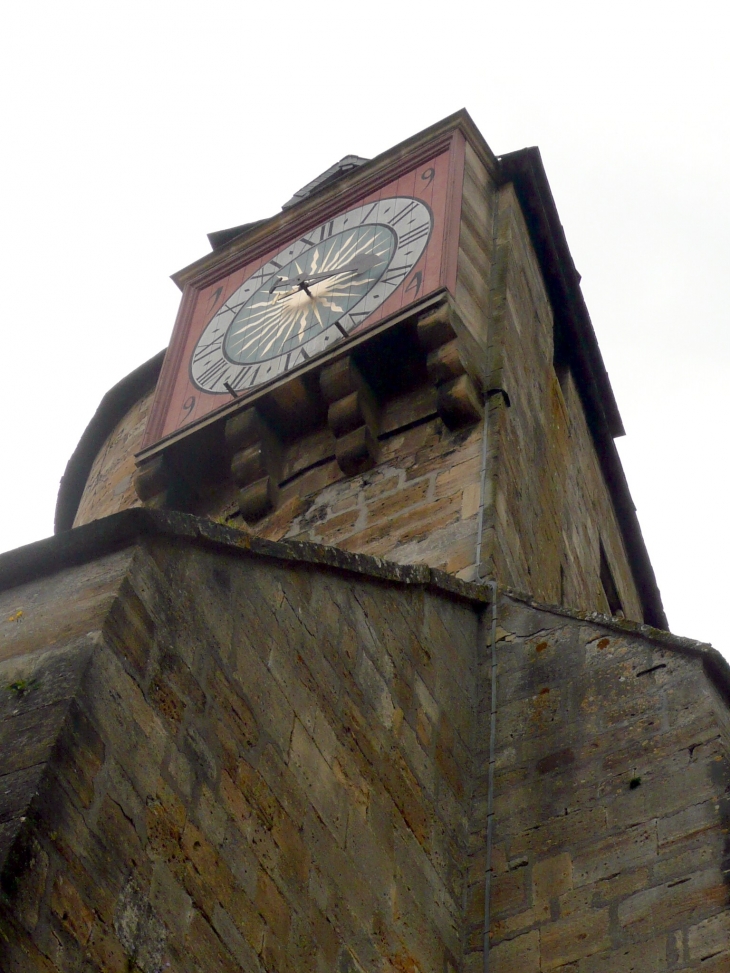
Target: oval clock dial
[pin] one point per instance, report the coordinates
(311, 295)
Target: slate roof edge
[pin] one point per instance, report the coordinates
(113, 406)
(525, 170)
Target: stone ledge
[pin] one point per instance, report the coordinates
(120, 530)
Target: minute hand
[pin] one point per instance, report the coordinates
(360, 266)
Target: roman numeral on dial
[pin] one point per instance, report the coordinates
(417, 233)
(394, 275)
(214, 374)
(405, 211)
(207, 349)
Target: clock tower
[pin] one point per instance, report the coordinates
(399, 363)
(347, 655)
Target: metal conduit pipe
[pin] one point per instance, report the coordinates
(492, 584)
(490, 784)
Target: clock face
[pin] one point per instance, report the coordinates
(251, 316)
(311, 294)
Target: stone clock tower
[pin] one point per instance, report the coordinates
(399, 364)
(347, 653)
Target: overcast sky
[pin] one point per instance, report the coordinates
(131, 130)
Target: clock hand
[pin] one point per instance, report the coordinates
(302, 283)
(364, 262)
(359, 266)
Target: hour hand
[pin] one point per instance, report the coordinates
(295, 282)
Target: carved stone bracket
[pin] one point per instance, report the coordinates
(152, 481)
(459, 400)
(255, 462)
(352, 416)
(160, 488)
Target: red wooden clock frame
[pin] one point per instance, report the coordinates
(209, 282)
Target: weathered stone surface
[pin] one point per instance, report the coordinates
(608, 799)
(110, 484)
(275, 756)
(200, 776)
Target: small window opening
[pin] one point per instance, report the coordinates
(562, 370)
(561, 362)
(562, 585)
(609, 586)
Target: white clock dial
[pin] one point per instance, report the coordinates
(311, 295)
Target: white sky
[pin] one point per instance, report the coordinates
(131, 130)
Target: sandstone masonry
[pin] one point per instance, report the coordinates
(229, 754)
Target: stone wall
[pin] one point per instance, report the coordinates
(551, 506)
(253, 765)
(419, 504)
(612, 803)
(229, 755)
(109, 487)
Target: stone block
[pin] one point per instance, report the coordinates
(552, 877)
(519, 955)
(385, 507)
(74, 914)
(234, 941)
(130, 628)
(170, 901)
(694, 855)
(375, 690)
(106, 951)
(165, 817)
(26, 739)
(669, 905)
(622, 884)
(207, 949)
(415, 872)
(568, 940)
(609, 856)
(119, 835)
(20, 957)
(319, 782)
(274, 908)
(509, 892)
(116, 706)
(267, 702)
(508, 928)
(688, 822)
(645, 957)
(709, 938)
(577, 901)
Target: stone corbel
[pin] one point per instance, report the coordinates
(352, 416)
(255, 463)
(459, 399)
(159, 487)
